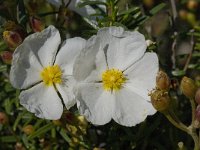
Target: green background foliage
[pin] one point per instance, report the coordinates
(176, 33)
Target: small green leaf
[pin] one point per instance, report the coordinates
(178, 72)
(82, 4)
(131, 10)
(41, 131)
(63, 133)
(157, 8)
(7, 139)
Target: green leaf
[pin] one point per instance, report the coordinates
(3, 68)
(82, 4)
(19, 117)
(8, 139)
(63, 133)
(178, 72)
(131, 10)
(41, 131)
(157, 8)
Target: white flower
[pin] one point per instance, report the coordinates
(73, 5)
(115, 76)
(41, 71)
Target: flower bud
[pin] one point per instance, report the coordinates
(162, 81)
(183, 14)
(197, 96)
(12, 38)
(192, 4)
(19, 146)
(82, 121)
(36, 24)
(188, 87)
(3, 118)
(69, 118)
(6, 56)
(28, 129)
(160, 100)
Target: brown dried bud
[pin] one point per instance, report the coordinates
(160, 100)
(12, 38)
(36, 24)
(3, 118)
(188, 87)
(28, 129)
(162, 81)
(197, 96)
(6, 56)
(192, 4)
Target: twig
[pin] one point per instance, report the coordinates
(190, 54)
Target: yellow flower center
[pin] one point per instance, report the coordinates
(51, 75)
(113, 79)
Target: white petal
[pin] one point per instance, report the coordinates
(68, 52)
(44, 45)
(37, 50)
(131, 108)
(43, 101)
(95, 104)
(25, 69)
(123, 47)
(66, 91)
(142, 75)
(125, 51)
(85, 62)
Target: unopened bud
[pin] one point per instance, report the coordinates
(6, 56)
(183, 14)
(36, 24)
(69, 118)
(192, 4)
(162, 81)
(3, 118)
(12, 38)
(28, 129)
(19, 146)
(82, 121)
(197, 96)
(188, 87)
(160, 100)
(149, 42)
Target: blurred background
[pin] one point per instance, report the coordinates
(171, 26)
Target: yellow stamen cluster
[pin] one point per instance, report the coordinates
(51, 75)
(113, 79)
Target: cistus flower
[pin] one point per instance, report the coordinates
(45, 74)
(73, 5)
(115, 76)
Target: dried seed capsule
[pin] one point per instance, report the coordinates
(188, 87)
(162, 81)
(160, 100)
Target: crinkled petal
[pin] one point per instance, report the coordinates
(43, 101)
(68, 52)
(85, 62)
(142, 75)
(66, 91)
(25, 69)
(38, 50)
(131, 108)
(129, 50)
(123, 47)
(95, 104)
